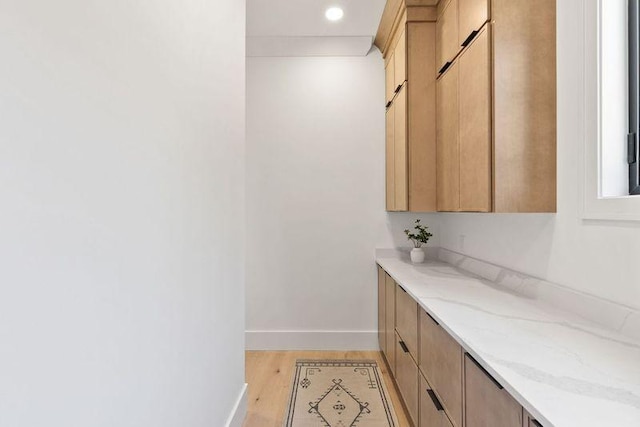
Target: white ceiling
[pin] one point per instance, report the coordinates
(274, 25)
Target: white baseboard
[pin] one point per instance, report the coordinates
(312, 340)
(236, 418)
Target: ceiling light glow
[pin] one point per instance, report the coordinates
(334, 14)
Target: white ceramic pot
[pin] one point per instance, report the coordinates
(417, 255)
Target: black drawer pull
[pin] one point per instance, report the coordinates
(536, 423)
(431, 317)
(493, 380)
(469, 39)
(398, 88)
(389, 104)
(402, 289)
(404, 347)
(445, 67)
(435, 400)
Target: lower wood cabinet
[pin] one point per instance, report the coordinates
(441, 360)
(407, 320)
(407, 378)
(440, 384)
(487, 404)
(431, 410)
(382, 312)
(390, 321)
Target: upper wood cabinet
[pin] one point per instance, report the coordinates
(496, 141)
(389, 73)
(483, 138)
(472, 14)
(407, 40)
(464, 130)
(400, 60)
(447, 46)
(448, 148)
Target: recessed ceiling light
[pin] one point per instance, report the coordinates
(334, 14)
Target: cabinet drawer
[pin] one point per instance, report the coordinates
(390, 322)
(441, 359)
(407, 379)
(472, 15)
(447, 34)
(407, 320)
(431, 410)
(487, 403)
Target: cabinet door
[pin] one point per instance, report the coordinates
(447, 144)
(431, 410)
(487, 403)
(382, 340)
(389, 78)
(400, 61)
(407, 379)
(401, 172)
(447, 34)
(475, 124)
(472, 15)
(530, 421)
(407, 320)
(390, 159)
(441, 359)
(390, 322)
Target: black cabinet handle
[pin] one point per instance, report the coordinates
(493, 380)
(469, 39)
(536, 423)
(401, 288)
(435, 400)
(404, 347)
(445, 67)
(388, 104)
(431, 317)
(398, 88)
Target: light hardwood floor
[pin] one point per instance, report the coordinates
(269, 375)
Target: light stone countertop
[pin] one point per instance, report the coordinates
(564, 370)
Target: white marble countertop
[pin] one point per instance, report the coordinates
(564, 370)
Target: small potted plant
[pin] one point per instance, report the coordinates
(418, 238)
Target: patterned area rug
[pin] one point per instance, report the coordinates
(339, 393)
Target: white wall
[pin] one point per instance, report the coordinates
(121, 228)
(597, 257)
(315, 201)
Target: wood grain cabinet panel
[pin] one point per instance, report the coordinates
(475, 124)
(389, 82)
(431, 410)
(401, 171)
(400, 60)
(407, 320)
(530, 421)
(390, 159)
(472, 15)
(448, 149)
(441, 360)
(407, 379)
(382, 310)
(447, 34)
(390, 322)
(487, 404)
